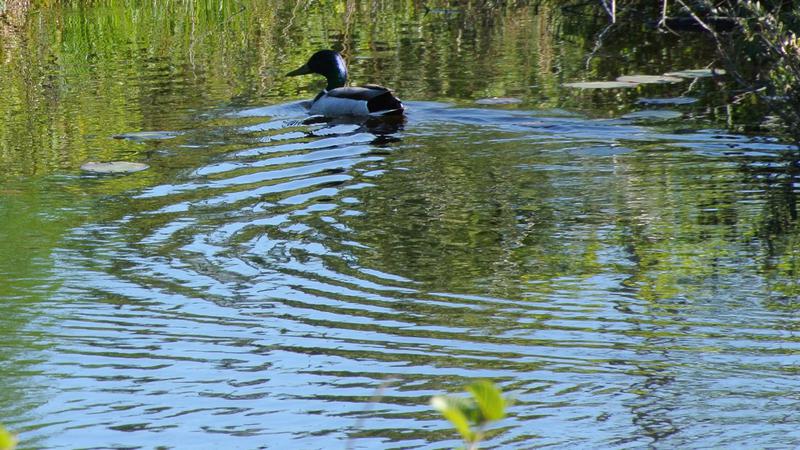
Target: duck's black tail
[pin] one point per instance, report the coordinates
(384, 104)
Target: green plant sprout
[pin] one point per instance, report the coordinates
(7, 440)
(471, 415)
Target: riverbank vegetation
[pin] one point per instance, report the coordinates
(241, 42)
(755, 42)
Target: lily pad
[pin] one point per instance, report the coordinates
(114, 167)
(649, 79)
(653, 114)
(695, 73)
(147, 135)
(444, 11)
(667, 101)
(601, 150)
(601, 84)
(498, 101)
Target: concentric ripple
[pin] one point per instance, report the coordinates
(312, 285)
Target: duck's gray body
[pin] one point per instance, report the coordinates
(369, 100)
(337, 100)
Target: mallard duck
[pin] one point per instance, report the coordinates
(338, 100)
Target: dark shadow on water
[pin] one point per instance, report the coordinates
(294, 114)
(379, 126)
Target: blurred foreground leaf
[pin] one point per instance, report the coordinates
(7, 440)
(470, 415)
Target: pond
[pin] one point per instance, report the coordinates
(617, 260)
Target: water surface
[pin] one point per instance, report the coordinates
(274, 282)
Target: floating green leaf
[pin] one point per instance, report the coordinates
(601, 150)
(649, 79)
(695, 73)
(498, 101)
(113, 167)
(601, 84)
(147, 135)
(653, 114)
(667, 101)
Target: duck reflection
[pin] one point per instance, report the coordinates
(383, 127)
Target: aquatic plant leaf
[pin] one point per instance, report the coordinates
(7, 440)
(601, 84)
(667, 101)
(498, 101)
(653, 114)
(147, 135)
(601, 150)
(114, 167)
(458, 411)
(489, 399)
(649, 79)
(695, 73)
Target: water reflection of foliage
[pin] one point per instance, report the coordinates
(95, 68)
(88, 70)
(675, 229)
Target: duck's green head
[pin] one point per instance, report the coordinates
(327, 63)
